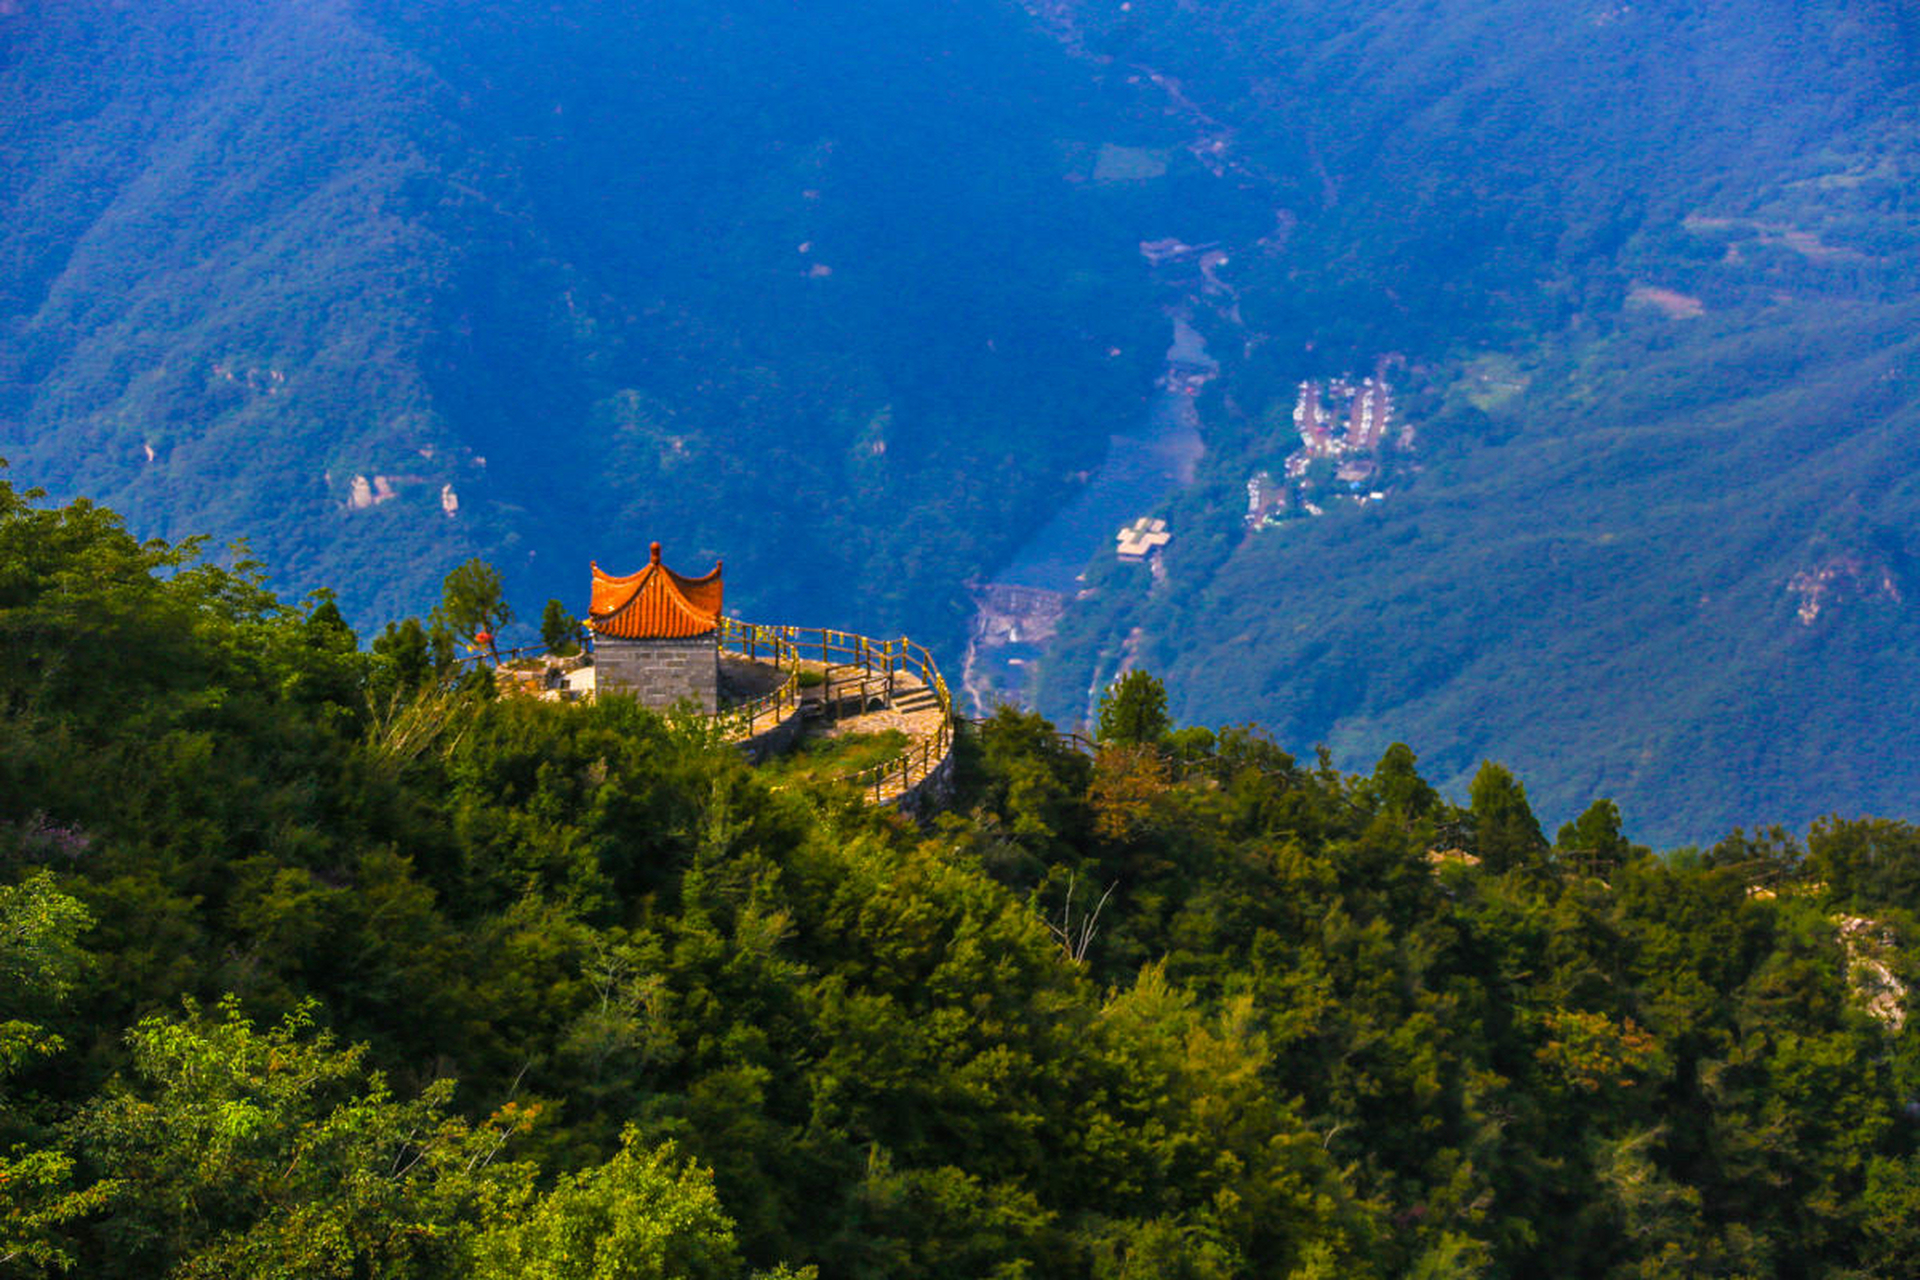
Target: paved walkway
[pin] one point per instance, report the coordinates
(834, 708)
(914, 711)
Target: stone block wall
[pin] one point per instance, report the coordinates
(660, 672)
(931, 794)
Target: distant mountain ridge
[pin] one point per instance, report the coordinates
(387, 285)
(1692, 224)
(568, 282)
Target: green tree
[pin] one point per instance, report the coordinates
(1505, 831)
(235, 1151)
(1397, 785)
(1133, 711)
(40, 962)
(559, 630)
(332, 669)
(1868, 863)
(643, 1215)
(473, 603)
(1593, 840)
(403, 658)
(1891, 1216)
(1022, 772)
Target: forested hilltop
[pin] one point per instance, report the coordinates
(324, 962)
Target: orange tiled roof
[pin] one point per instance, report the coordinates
(655, 603)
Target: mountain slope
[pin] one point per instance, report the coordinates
(386, 285)
(583, 280)
(1651, 271)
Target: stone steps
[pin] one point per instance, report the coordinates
(921, 699)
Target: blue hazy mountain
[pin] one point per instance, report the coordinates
(1652, 268)
(383, 286)
(853, 296)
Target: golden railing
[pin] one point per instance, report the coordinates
(759, 644)
(891, 779)
(881, 662)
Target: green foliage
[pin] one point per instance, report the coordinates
(1593, 839)
(240, 1152)
(404, 657)
(1505, 832)
(473, 600)
(640, 1216)
(1133, 711)
(1034, 781)
(559, 630)
(40, 961)
(1180, 1007)
(1867, 862)
(1397, 785)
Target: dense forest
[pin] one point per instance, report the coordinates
(324, 960)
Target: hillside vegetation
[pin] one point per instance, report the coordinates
(320, 965)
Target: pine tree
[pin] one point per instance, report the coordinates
(1133, 711)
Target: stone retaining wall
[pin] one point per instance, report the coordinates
(774, 739)
(932, 793)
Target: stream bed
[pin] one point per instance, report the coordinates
(1018, 607)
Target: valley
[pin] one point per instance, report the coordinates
(1019, 608)
(382, 292)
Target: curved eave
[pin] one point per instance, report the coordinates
(655, 604)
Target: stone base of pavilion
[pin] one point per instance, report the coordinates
(743, 683)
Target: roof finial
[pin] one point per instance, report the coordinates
(653, 550)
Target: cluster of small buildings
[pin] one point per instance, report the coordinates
(1359, 414)
(1345, 425)
(1266, 500)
